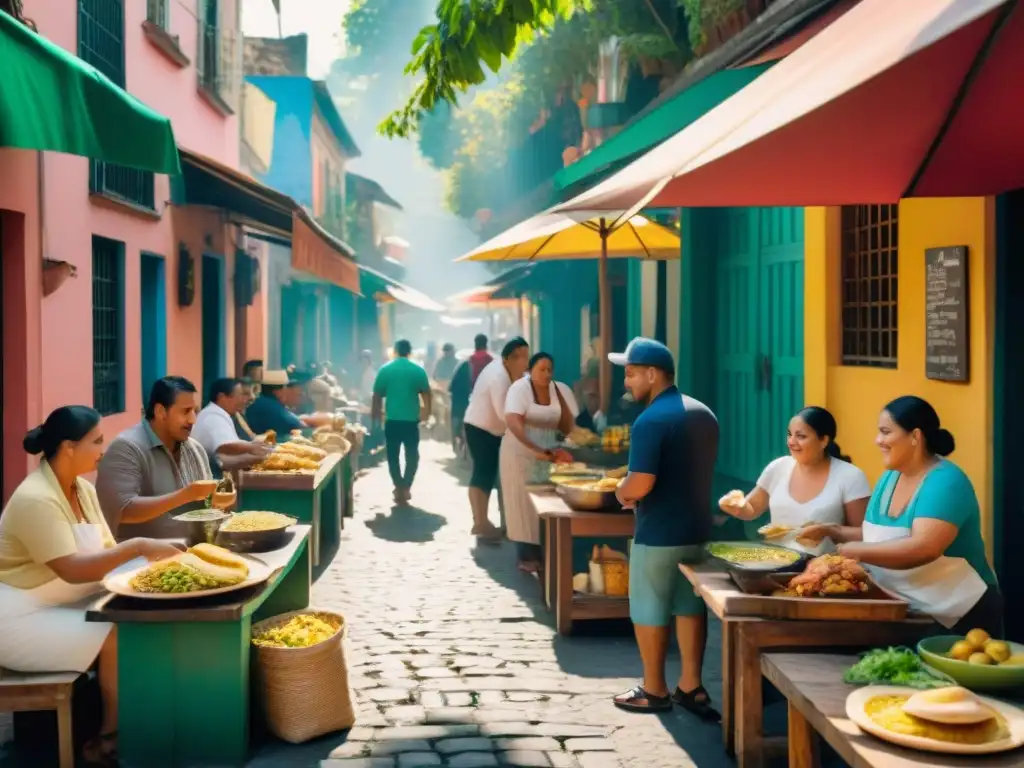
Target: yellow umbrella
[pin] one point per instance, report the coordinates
(584, 235)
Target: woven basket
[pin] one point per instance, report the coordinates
(305, 692)
(616, 578)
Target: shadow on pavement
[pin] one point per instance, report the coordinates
(406, 524)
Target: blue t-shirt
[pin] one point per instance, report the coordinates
(267, 413)
(945, 494)
(676, 440)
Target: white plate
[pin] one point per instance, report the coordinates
(118, 582)
(855, 711)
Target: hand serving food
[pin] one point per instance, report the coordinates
(732, 502)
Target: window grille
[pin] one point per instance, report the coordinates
(870, 274)
(107, 325)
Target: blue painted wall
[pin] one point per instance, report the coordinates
(291, 166)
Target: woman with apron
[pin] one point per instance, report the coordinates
(812, 490)
(537, 408)
(922, 533)
(55, 548)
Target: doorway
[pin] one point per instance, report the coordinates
(1008, 450)
(214, 321)
(153, 297)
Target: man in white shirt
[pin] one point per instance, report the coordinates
(215, 429)
(485, 426)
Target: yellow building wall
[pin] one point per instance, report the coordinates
(855, 394)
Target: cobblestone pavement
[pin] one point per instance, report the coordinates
(455, 660)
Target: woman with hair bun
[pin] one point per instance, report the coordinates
(811, 491)
(55, 548)
(922, 533)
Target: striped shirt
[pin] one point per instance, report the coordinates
(138, 465)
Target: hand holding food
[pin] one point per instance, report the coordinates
(732, 502)
(774, 530)
(200, 490)
(155, 549)
(811, 535)
(562, 456)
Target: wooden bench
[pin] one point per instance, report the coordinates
(42, 692)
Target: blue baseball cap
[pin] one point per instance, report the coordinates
(641, 351)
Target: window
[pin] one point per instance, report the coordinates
(107, 325)
(870, 253)
(157, 13)
(101, 43)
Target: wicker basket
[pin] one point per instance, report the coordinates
(616, 578)
(305, 692)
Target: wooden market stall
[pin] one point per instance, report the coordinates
(184, 687)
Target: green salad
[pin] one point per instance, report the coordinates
(893, 666)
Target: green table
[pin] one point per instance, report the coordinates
(314, 499)
(184, 697)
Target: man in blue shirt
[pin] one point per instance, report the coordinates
(673, 446)
(271, 410)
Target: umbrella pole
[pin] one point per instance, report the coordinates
(605, 309)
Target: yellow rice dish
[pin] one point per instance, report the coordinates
(887, 712)
(252, 522)
(300, 631)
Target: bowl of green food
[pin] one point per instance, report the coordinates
(756, 556)
(976, 661)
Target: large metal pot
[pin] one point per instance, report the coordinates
(202, 529)
(585, 499)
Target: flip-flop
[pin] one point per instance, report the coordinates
(697, 701)
(639, 700)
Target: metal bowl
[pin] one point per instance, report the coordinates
(254, 541)
(586, 500)
(202, 530)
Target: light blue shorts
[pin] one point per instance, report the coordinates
(657, 589)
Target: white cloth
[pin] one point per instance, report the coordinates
(486, 408)
(44, 629)
(518, 467)
(845, 483)
(213, 428)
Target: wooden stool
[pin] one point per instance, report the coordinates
(42, 692)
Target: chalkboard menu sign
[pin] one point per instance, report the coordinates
(947, 355)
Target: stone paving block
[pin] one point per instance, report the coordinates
(458, 699)
(430, 699)
(588, 745)
(598, 760)
(524, 759)
(510, 729)
(351, 749)
(473, 760)
(426, 732)
(451, 715)
(359, 762)
(492, 715)
(380, 748)
(567, 730)
(409, 714)
(490, 697)
(388, 694)
(418, 760)
(529, 743)
(564, 759)
(523, 696)
(454, 746)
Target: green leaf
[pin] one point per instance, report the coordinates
(490, 54)
(421, 39)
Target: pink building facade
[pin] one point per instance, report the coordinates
(118, 322)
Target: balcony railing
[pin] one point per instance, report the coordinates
(217, 63)
(129, 185)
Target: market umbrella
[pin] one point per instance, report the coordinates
(915, 99)
(584, 235)
(52, 100)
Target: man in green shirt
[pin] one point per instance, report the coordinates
(402, 388)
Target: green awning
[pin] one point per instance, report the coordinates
(52, 100)
(657, 125)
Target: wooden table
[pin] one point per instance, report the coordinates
(315, 499)
(183, 666)
(561, 526)
(813, 685)
(745, 637)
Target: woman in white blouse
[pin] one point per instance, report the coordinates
(812, 486)
(537, 408)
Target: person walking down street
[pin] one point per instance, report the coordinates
(537, 408)
(445, 366)
(480, 358)
(485, 426)
(156, 468)
(673, 447)
(55, 549)
(401, 391)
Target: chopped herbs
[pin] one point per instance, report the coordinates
(893, 666)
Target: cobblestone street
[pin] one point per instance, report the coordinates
(455, 661)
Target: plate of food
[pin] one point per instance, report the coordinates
(755, 556)
(255, 531)
(203, 570)
(949, 720)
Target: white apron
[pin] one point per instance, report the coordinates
(42, 630)
(945, 589)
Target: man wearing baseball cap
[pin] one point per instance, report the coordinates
(673, 446)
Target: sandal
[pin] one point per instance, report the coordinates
(529, 566)
(697, 701)
(639, 700)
